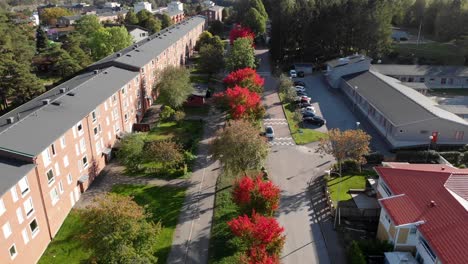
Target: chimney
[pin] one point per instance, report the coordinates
(10, 120)
(63, 90)
(119, 54)
(96, 71)
(442, 168)
(45, 101)
(432, 204)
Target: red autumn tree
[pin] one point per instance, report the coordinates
(256, 194)
(241, 32)
(259, 255)
(258, 232)
(241, 103)
(246, 77)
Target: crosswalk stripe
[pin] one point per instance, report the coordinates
(281, 143)
(274, 119)
(275, 123)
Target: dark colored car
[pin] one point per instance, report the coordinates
(299, 93)
(300, 74)
(302, 105)
(307, 114)
(315, 120)
(299, 83)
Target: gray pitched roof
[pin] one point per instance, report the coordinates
(172, 13)
(140, 54)
(12, 172)
(33, 133)
(456, 109)
(347, 60)
(400, 104)
(421, 70)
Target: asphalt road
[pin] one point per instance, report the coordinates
(291, 167)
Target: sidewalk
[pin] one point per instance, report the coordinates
(192, 234)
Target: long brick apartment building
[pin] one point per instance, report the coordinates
(53, 147)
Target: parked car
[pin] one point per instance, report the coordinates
(308, 109)
(293, 73)
(315, 120)
(307, 114)
(302, 105)
(305, 99)
(299, 83)
(300, 74)
(301, 93)
(300, 88)
(269, 132)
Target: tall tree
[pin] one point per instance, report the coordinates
(108, 40)
(88, 24)
(216, 28)
(41, 39)
(239, 147)
(174, 86)
(166, 20)
(143, 16)
(119, 230)
(130, 151)
(50, 15)
(255, 21)
(131, 18)
(153, 24)
(211, 59)
(241, 55)
(168, 152)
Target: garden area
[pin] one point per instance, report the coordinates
(164, 203)
(339, 187)
(167, 151)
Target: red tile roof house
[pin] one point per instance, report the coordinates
(424, 210)
(52, 147)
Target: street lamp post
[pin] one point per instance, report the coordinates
(337, 210)
(355, 98)
(429, 147)
(358, 124)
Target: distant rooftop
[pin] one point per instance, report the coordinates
(141, 53)
(421, 70)
(347, 60)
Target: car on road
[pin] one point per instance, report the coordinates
(315, 120)
(301, 93)
(293, 73)
(300, 88)
(308, 109)
(299, 83)
(269, 132)
(300, 74)
(304, 104)
(308, 114)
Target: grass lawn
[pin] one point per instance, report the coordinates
(225, 209)
(67, 247)
(339, 187)
(164, 202)
(441, 52)
(308, 135)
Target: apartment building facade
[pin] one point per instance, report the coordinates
(424, 211)
(53, 147)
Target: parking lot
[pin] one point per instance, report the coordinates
(338, 111)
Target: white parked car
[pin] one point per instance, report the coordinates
(269, 132)
(300, 88)
(309, 109)
(293, 73)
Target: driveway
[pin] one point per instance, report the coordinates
(339, 112)
(292, 167)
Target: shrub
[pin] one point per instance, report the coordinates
(256, 195)
(422, 156)
(166, 113)
(258, 232)
(179, 116)
(464, 158)
(130, 151)
(355, 255)
(348, 166)
(374, 158)
(451, 156)
(375, 247)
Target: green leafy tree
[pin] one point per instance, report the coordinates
(50, 15)
(204, 38)
(131, 18)
(63, 64)
(119, 230)
(168, 152)
(130, 151)
(88, 24)
(143, 16)
(41, 39)
(216, 28)
(153, 24)
(355, 255)
(76, 46)
(211, 59)
(166, 20)
(239, 147)
(255, 21)
(174, 86)
(241, 55)
(105, 41)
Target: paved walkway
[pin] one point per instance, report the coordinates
(192, 234)
(309, 236)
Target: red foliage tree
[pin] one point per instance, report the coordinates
(255, 194)
(241, 103)
(258, 233)
(241, 32)
(246, 77)
(259, 255)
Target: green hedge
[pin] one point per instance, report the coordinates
(423, 156)
(374, 158)
(454, 157)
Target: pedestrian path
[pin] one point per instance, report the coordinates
(275, 121)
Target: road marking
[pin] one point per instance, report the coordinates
(274, 119)
(275, 123)
(283, 138)
(273, 143)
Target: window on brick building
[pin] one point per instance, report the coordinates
(13, 251)
(85, 162)
(50, 176)
(69, 178)
(25, 235)
(24, 185)
(6, 230)
(14, 194)
(28, 207)
(62, 142)
(54, 196)
(52, 147)
(2, 207)
(34, 227)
